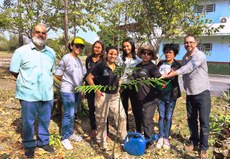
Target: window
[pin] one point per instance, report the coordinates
(206, 8)
(206, 47)
(210, 8)
(199, 9)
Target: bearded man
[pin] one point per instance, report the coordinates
(33, 66)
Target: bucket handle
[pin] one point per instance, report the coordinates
(133, 134)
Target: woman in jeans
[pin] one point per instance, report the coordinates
(168, 95)
(70, 72)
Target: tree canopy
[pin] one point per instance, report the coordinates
(152, 20)
(146, 20)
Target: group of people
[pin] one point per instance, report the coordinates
(35, 63)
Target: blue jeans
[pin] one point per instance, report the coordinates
(70, 102)
(29, 112)
(199, 104)
(166, 107)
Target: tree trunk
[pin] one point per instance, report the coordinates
(20, 32)
(66, 24)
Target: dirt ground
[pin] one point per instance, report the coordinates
(11, 141)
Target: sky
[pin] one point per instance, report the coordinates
(89, 36)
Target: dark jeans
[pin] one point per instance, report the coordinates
(166, 107)
(136, 108)
(31, 110)
(199, 104)
(148, 110)
(90, 99)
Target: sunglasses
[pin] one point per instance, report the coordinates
(40, 32)
(79, 46)
(147, 53)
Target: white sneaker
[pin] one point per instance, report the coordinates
(67, 144)
(75, 137)
(166, 144)
(160, 143)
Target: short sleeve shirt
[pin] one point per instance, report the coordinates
(90, 64)
(106, 77)
(130, 64)
(35, 68)
(72, 72)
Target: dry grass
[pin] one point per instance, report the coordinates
(10, 136)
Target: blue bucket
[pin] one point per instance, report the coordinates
(135, 143)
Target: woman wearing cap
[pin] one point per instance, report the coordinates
(168, 94)
(91, 61)
(107, 99)
(147, 95)
(70, 72)
(130, 60)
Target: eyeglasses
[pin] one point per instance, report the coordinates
(189, 42)
(40, 32)
(147, 53)
(79, 46)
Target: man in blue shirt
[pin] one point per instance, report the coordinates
(33, 66)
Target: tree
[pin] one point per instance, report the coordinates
(154, 20)
(50, 13)
(66, 23)
(110, 35)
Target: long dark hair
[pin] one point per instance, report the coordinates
(103, 48)
(70, 45)
(129, 40)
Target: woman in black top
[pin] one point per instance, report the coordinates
(147, 95)
(91, 61)
(168, 94)
(108, 98)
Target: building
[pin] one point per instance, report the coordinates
(216, 46)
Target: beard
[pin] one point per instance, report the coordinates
(39, 41)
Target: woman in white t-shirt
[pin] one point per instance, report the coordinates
(70, 72)
(129, 60)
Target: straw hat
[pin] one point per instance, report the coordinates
(147, 47)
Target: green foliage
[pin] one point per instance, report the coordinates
(110, 35)
(217, 121)
(222, 69)
(156, 19)
(216, 125)
(9, 45)
(3, 44)
(55, 140)
(147, 81)
(58, 45)
(51, 13)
